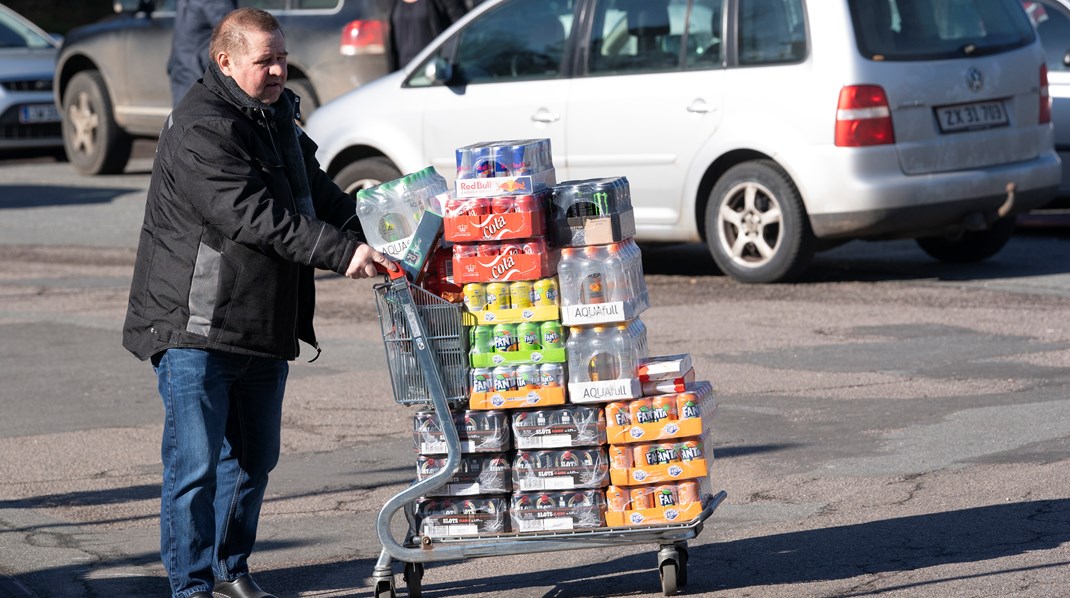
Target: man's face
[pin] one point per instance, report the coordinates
(260, 71)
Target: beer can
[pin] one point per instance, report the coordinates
(475, 296)
(617, 414)
(641, 498)
(428, 466)
(664, 407)
(528, 336)
(496, 463)
(470, 507)
(553, 375)
(616, 499)
(552, 336)
(504, 378)
(482, 380)
(640, 411)
(544, 501)
(504, 337)
(568, 459)
(527, 377)
(688, 450)
(687, 405)
(544, 292)
(687, 492)
(523, 461)
(496, 295)
(483, 339)
(666, 496)
(545, 459)
(520, 294)
(502, 204)
(580, 499)
(620, 457)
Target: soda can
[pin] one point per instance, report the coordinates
(617, 414)
(502, 204)
(509, 249)
(551, 334)
(644, 455)
(527, 377)
(664, 407)
(688, 450)
(687, 405)
(482, 380)
(520, 294)
(462, 250)
(496, 295)
(483, 339)
(532, 248)
(504, 378)
(641, 498)
(480, 206)
(641, 411)
(504, 337)
(544, 292)
(666, 496)
(528, 336)
(553, 375)
(667, 453)
(620, 457)
(487, 249)
(524, 203)
(616, 499)
(454, 207)
(475, 296)
(687, 492)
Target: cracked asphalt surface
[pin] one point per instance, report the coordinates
(888, 426)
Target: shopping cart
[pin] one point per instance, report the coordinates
(426, 354)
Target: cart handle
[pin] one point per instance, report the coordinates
(396, 273)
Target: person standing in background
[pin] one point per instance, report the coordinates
(194, 21)
(414, 23)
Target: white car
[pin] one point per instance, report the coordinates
(28, 117)
(770, 129)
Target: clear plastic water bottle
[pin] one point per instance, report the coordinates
(594, 275)
(576, 347)
(604, 362)
(568, 279)
(618, 287)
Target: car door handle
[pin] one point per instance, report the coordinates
(545, 116)
(699, 106)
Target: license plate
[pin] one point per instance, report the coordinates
(965, 117)
(38, 113)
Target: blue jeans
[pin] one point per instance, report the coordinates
(223, 414)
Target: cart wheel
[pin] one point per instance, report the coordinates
(668, 572)
(681, 574)
(384, 588)
(413, 576)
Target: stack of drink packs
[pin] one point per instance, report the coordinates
(570, 422)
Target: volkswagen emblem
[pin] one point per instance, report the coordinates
(974, 79)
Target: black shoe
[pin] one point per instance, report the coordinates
(243, 587)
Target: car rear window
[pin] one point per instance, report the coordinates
(936, 29)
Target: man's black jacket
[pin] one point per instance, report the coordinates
(225, 258)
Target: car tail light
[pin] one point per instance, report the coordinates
(1045, 97)
(863, 117)
(363, 37)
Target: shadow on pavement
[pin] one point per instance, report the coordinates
(39, 196)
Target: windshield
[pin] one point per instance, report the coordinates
(937, 29)
(16, 34)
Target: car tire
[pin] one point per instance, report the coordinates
(970, 246)
(92, 139)
(309, 101)
(364, 173)
(757, 228)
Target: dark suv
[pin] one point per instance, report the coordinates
(111, 76)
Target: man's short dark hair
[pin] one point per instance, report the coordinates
(229, 35)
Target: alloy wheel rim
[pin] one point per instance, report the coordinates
(84, 121)
(750, 223)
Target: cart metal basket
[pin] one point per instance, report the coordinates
(424, 339)
(442, 328)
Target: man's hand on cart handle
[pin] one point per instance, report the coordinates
(367, 261)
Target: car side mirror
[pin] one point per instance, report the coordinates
(438, 70)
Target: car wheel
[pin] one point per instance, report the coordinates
(366, 173)
(970, 246)
(756, 225)
(309, 101)
(93, 140)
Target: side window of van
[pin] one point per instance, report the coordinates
(771, 31)
(1053, 25)
(637, 36)
(705, 30)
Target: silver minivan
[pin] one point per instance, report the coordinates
(770, 129)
